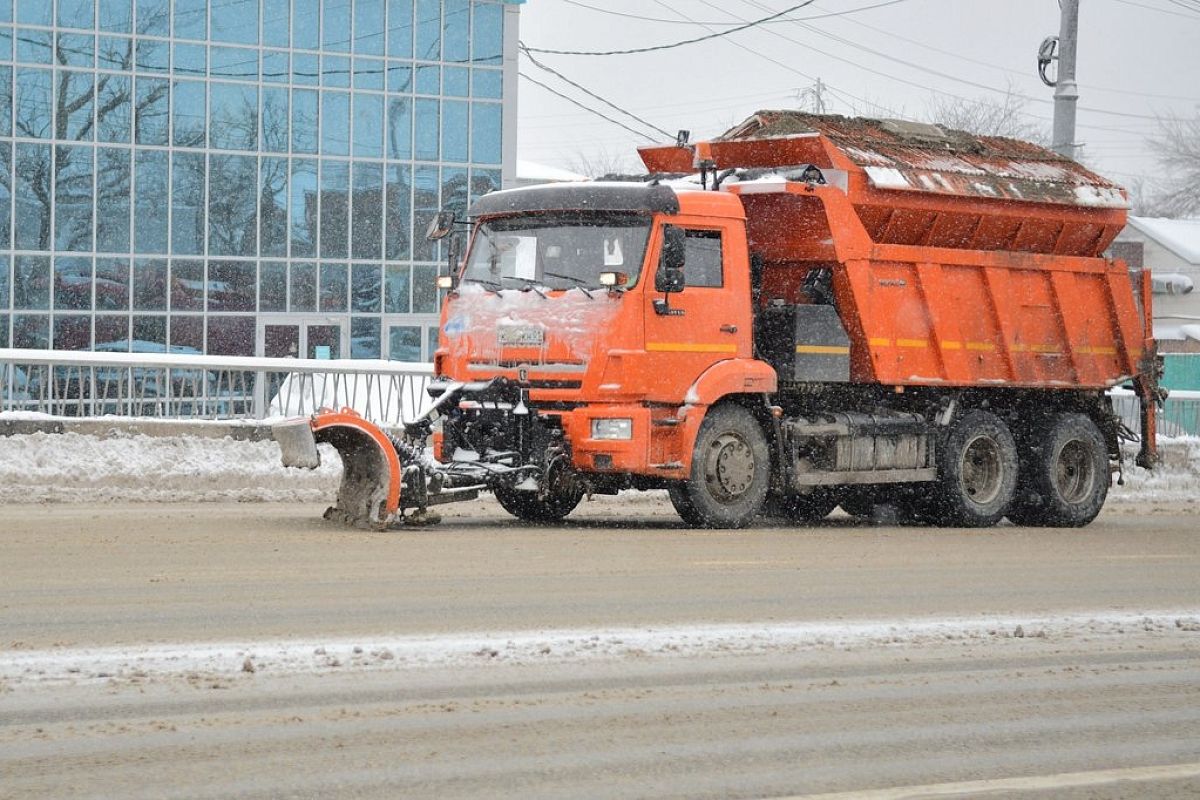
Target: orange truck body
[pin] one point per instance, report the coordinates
(973, 264)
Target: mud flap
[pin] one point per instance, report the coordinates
(369, 495)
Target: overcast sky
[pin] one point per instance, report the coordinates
(1138, 59)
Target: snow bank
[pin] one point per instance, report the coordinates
(81, 468)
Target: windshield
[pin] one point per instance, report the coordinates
(558, 251)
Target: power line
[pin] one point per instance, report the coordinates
(641, 18)
(653, 48)
(1156, 8)
(587, 91)
(573, 101)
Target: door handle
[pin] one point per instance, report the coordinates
(729, 329)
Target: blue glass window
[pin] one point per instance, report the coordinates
(150, 333)
(112, 331)
(113, 181)
(398, 214)
(367, 211)
(6, 41)
(276, 18)
(306, 24)
(484, 181)
(304, 121)
(454, 130)
(4, 318)
(334, 287)
(454, 190)
(112, 108)
(272, 207)
(427, 121)
(488, 33)
(400, 77)
(335, 208)
(302, 288)
(34, 12)
(233, 116)
(150, 188)
(112, 289)
(232, 205)
(5, 283)
(187, 286)
(456, 31)
(335, 33)
(187, 203)
(73, 194)
(275, 67)
(489, 83)
(76, 13)
(76, 90)
(33, 103)
(152, 55)
(115, 52)
(368, 27)
(302, 210)
(272, 286)
(6, 154)
(187, 333)
(31, 331)
(77, 50)
(368, 73)
(364, 335)
(399, 143)
(191, 19)
(235, 21)
(72, 332)
(335, 71)
(32, 196)
(425, 208)
(365, 296)
(150, 112)
(190, 59)
(335, 130)
(275, 120)
(153, 18)
(368, 125)
(429, 79)
(236, 63)
(231, 286)
(456, 81)
(486, 145)
(400, 32)
(33, 47)
(404, 343)
(6, 101)
(149, 286)
(306, 69)
(425, 293)
(231, 336)
(116, 16)
(188, 128)
(428, 45)
(397, 286)
(31, 283)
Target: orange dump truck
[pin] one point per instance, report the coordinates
(808, 311)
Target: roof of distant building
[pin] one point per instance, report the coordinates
(1180, 236)
(532, 172)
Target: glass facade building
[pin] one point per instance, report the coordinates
(242, 177)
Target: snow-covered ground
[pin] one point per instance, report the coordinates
(84, 468)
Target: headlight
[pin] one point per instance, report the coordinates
(612, 429)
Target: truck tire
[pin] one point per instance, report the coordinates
(977, 473)
(731, 471)
(526, 505)
(801, 508)
(905, 500)
(1064, 475)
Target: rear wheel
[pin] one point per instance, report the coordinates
(977, 473)
(730, 471)
(1064, 475)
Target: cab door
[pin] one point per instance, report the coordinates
(708, 320)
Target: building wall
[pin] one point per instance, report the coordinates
(1170, 311)
(242, 176)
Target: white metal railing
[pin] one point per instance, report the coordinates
(87, 384)
(1179, 416)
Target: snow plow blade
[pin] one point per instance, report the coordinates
(369, 495)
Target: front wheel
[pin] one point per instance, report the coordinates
(730, 474)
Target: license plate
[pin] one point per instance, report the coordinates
(521, 336)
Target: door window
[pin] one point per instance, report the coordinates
(702, 259)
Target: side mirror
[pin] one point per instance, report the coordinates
(440, 226)
(669, 277)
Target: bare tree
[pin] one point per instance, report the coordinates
(1176, 145)
(602, 161)
(987, 117)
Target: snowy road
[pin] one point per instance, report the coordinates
(252, 650)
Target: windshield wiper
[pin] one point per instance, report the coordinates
(580, 283)
(491, 286)
(530, 283)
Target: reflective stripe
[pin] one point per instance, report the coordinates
(689, 347)
(823, 349)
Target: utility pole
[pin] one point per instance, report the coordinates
(1066, 92)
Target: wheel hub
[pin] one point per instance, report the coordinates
(729, 468)
(1073, 472)
(982, 470)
